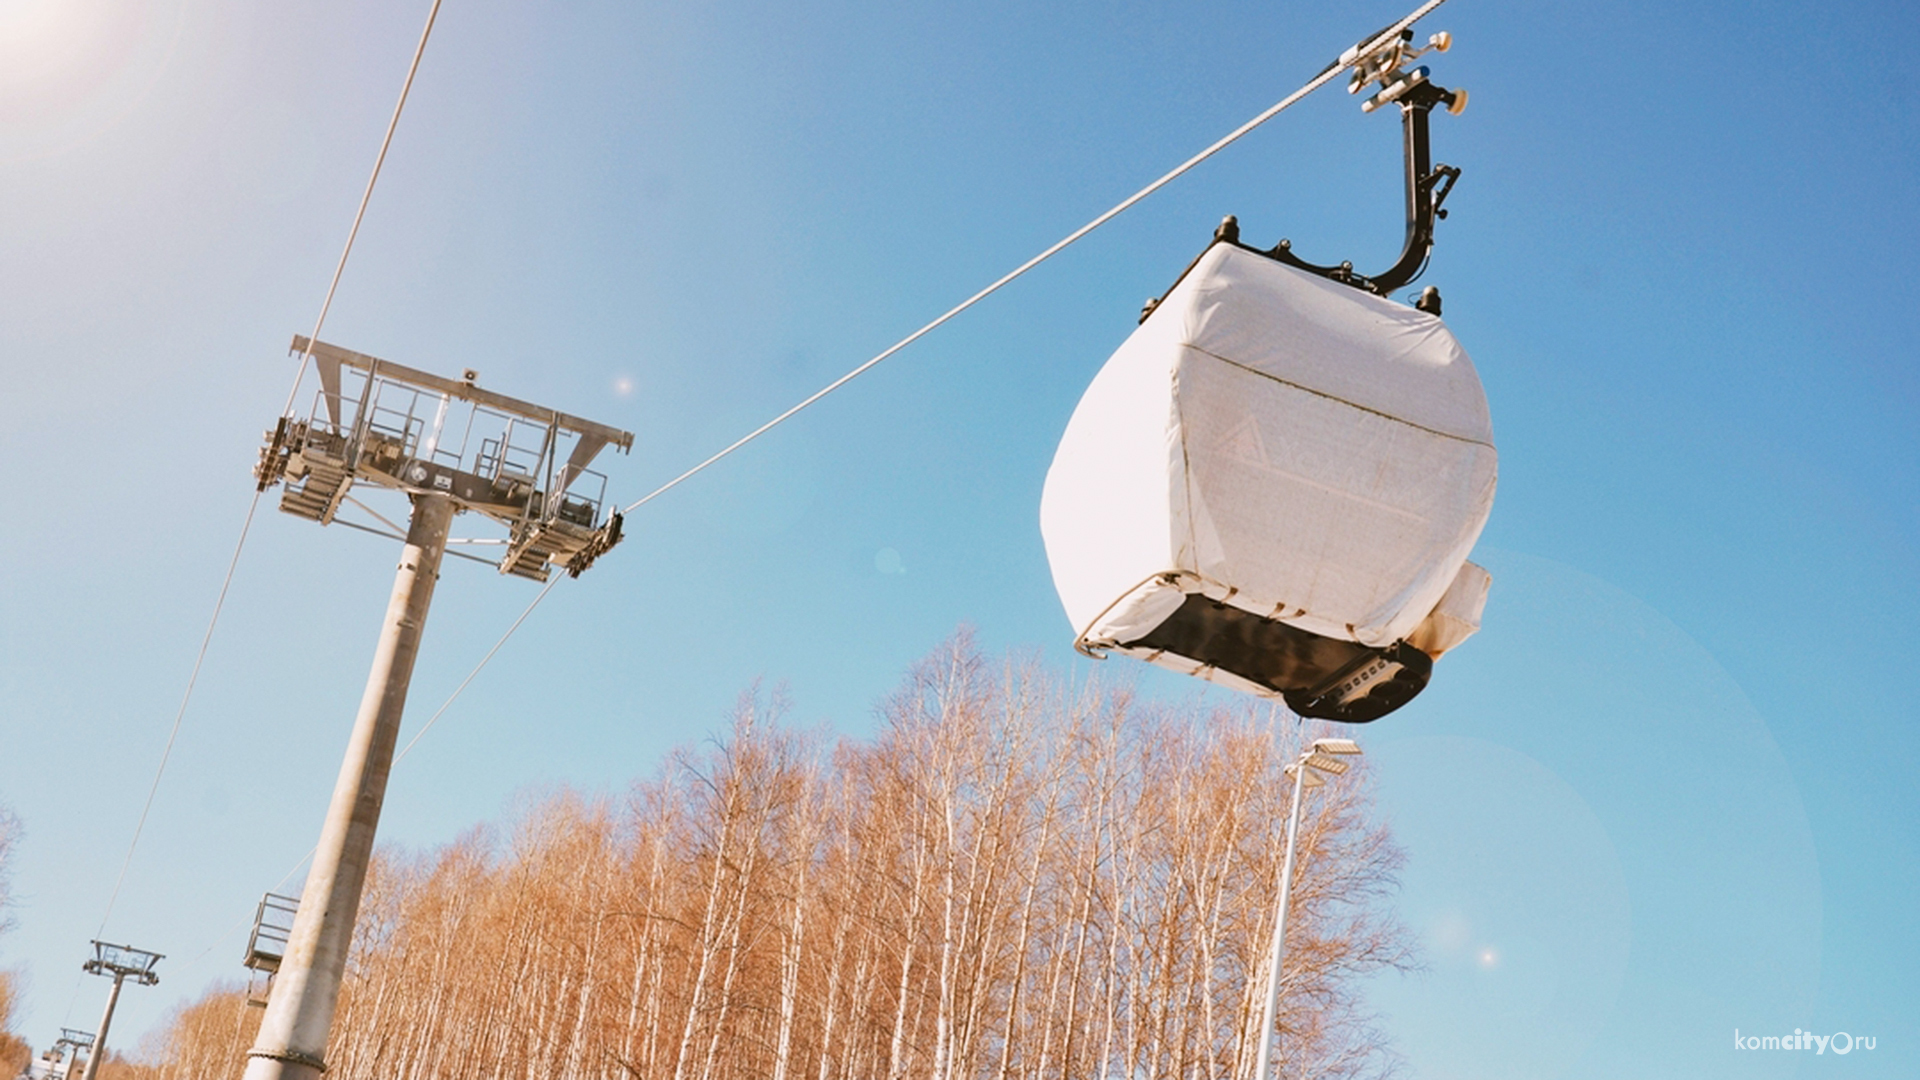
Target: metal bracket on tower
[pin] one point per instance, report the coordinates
(123, 962)
(267, 945)
(523, 465)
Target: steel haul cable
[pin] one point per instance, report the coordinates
(1326, 75)
(360, 214)
(226, 583)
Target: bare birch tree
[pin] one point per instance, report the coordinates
(1011, 878)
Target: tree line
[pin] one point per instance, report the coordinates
(1011, 878)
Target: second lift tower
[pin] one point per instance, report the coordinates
(450, 447)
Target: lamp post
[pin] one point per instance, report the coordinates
(118, 961)
(1324, 756)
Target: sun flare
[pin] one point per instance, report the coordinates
(40, 38)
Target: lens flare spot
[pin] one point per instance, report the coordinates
(42, 38)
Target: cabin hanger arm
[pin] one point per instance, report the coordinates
(1427, 185)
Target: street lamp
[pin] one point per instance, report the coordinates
(118, 961)
(1325, 756)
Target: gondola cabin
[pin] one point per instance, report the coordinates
(1274, 484)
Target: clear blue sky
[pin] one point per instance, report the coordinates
(1668, 791)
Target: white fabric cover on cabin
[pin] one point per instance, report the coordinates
(1287, 444)
(1457, 616)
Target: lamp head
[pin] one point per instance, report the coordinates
(1309, 778)
(1326, 763)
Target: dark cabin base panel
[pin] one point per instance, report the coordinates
(1320, 677)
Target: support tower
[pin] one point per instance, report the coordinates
(450, 447)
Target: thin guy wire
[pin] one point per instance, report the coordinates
(247, 526)
(1325, 76)
(444, 706)
(402, 538)
(365, 197)
(180, 969)
(180, 714)
(447, 704)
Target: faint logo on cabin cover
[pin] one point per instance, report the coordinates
(1242, 443)
(1303, 461)
(1314, 464)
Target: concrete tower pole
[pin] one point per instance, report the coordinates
(293, 1034)
(106, 1019)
